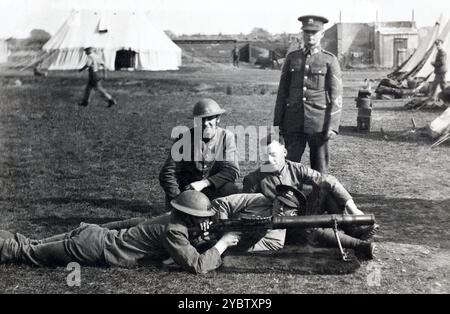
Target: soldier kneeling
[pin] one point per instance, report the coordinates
(204, 158)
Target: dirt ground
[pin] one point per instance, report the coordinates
(61, 164)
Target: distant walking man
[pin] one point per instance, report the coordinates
(309, 101)
(440, 69)
(235, 55)
(94, 82)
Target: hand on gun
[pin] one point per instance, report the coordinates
(228, 239)
(231, 238)
(204, 226)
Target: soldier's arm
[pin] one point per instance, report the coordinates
(337, 189)
(228, 165)
(437, 62)
(168, 177)
(444, 59)
(283, 92)
(102, 64)
(334, 93)
(327, 182)
(306, 175)
(176, 242)
(250, 184)
(83, 68)
(87, 65)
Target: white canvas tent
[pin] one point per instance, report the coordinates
(440, 125)
(123, 39)
(427, 69)
(422, 68)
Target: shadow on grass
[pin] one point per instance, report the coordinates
(110, 203)
(393, 108)
(395, 136)
(409, 220)
(406, 110)
(55, 221)
(347, 130)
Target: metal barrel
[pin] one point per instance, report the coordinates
(322, 221)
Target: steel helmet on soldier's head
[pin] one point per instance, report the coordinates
(207, 107)
(193, 203)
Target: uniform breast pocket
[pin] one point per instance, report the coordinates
(296, 75)
(317, 77)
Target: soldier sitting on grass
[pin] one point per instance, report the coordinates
(325, 194)
(207, 161)
(288, 201)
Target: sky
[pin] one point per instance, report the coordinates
(19, 17)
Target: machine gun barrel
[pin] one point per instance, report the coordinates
(283, 222)
(322, 221)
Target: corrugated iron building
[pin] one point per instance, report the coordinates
(352, 43)
(385, 44)
(394, 43)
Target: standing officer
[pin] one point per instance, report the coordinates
(208, 162)
(309, 101)
(440, 69)
(94, 82)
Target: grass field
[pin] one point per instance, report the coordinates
(61, 164)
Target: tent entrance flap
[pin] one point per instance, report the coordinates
(125, 59)
(117, 35)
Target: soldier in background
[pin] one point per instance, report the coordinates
(235, 55)
(440, 69)
(212, 164)
(93, 64)
(309, 101)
